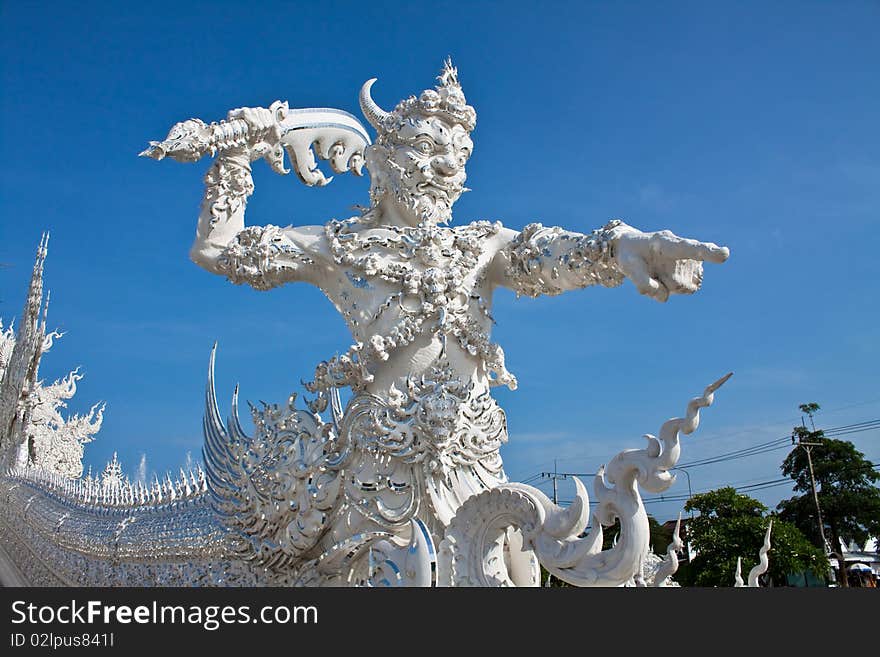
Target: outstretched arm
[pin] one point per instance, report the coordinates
(260, 256)
(550, 260)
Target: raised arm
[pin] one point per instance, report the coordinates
(260, 256)
(550, 260)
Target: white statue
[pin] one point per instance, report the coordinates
(422, 433)
(405, 484)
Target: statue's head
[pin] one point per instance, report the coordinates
(417, 161)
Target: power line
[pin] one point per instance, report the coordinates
(681, 497)
(857, 424)
(844, 433)
(767, 424)
(772, 483)
(760, 448)
(829, 433)
(779, 443)
(753, 450)
(732, 456)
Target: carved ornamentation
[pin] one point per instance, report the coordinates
(539, 257)
(434, 269)
(261, 257)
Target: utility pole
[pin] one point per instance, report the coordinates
(798, 439)
(556, 475)
(807, 448)
(555, 491)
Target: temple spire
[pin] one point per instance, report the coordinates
(20, 373)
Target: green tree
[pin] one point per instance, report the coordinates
(731, 525)
(845, 487)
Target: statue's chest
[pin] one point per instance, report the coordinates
(395, 286)
(386, 275)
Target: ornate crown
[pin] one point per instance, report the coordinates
(446, 101)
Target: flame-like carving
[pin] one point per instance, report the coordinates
(763, 561)
(669, 566)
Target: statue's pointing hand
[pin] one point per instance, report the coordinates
(661, 263)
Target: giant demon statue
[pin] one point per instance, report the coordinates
(405, 484)
(422, 432)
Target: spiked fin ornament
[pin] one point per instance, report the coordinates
(274, 490)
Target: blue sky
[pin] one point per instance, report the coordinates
(746, 124)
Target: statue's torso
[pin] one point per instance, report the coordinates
(413, 298)
(423, 427)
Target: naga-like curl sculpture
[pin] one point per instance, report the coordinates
(480, 548)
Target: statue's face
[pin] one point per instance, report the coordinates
(426, 167)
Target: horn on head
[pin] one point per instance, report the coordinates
(375, 114)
